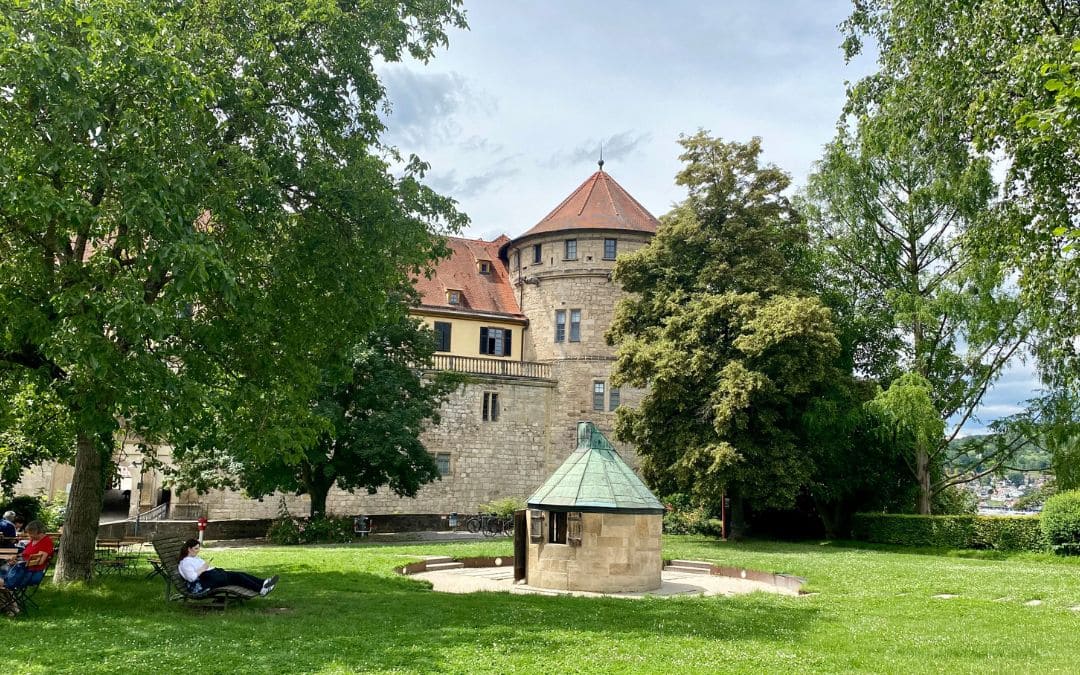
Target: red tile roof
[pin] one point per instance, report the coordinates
(480, 292)
(599, 203)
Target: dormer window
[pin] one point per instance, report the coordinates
(453, 297)
(484, 266)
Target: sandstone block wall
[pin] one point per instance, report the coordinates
(488, 460)
(618, 553)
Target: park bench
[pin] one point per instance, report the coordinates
(176, 587)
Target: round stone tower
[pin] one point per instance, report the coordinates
(561, 270)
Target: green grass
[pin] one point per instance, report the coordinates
(342, 609)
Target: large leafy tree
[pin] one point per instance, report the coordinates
(897, 206)
(719, 326)
(1000, 75)
(195, 210)
(375, 402)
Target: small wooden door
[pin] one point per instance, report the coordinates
(521, 544)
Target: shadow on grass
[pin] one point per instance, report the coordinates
(324, 620)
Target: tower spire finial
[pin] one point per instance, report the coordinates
(601, 162)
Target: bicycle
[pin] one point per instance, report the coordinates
(490, 525)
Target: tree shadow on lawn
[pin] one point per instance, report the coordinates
(325, 620)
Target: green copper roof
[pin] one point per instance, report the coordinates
(595, 478)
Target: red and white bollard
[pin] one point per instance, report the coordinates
(202, 528)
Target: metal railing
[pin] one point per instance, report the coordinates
(159, 512)
(482, 366)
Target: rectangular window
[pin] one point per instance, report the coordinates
(538, 252)
(560, 325)
(491, 406)
(597, 395)
(485, 267)
(495, 341)
(557, 528)
(442, 336)
(453, 297)
(442, 462)
(575, 325)
(611, 247)
(613, 398)
(571, 249)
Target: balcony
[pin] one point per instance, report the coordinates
(482, 366)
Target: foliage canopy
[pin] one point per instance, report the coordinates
(196, 210)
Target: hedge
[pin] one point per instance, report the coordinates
(1003, 533)
(1061, 522)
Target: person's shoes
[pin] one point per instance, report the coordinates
(268, 585)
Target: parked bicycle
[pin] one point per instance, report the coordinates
(490, 524)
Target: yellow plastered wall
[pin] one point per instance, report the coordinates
(465, 335)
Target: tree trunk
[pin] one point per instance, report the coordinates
(318, 499)
(922, 474)
(833, 518)
(76, 559)
(738, 517)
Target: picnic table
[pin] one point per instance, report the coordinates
(117, 556)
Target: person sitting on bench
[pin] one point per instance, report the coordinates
(35, 559)
(199, 573)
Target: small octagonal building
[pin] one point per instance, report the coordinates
(594, 525)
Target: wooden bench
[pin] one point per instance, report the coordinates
(176, 587)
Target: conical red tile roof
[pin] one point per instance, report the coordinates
(599, 203)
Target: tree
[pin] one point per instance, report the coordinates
(896, 206)
(856, 468)
(912, 419)
(375, 406)
(718, 326)
(1000, 75)
(195, 210)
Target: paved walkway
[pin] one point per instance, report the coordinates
(471, 580)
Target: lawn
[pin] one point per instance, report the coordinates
(342, 609)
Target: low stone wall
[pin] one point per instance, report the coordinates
(257, 527)
(215, 529)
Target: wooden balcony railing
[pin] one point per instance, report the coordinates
(482, 366)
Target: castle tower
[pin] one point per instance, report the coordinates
(561, 270)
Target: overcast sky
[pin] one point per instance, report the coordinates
(512, 115)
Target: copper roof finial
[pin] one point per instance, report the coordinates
(601, 162)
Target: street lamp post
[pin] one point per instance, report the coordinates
(138, 499)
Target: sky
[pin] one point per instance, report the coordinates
(512, 115)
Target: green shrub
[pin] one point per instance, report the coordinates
(35, 507)
(287, 530)
(27, 506)
(504, 508)
(1061, 522)
(684, 516)
(1002, 533)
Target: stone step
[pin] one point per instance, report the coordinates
(444, 566)
(438, 559)
(678, 568)
(692, 563)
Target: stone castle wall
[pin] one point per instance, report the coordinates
(488, 459)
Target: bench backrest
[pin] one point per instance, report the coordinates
(168, 553)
